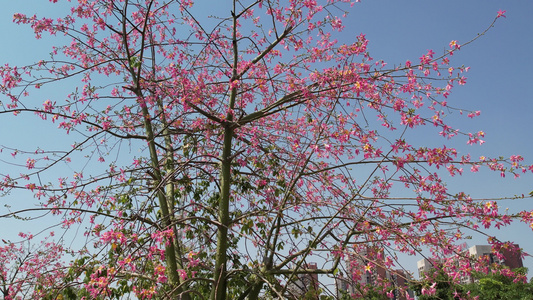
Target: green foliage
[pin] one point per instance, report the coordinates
(498, 286)
(492, 286)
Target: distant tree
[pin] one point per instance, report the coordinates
(437, 286)
(502, 284)
(213, 157)
(494, 286)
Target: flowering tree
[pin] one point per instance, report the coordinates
(29, 272)
(215, 157)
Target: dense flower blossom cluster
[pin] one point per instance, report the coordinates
(219, 157)
(27, 271)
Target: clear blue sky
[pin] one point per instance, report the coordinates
(498, 85)
(499, 81)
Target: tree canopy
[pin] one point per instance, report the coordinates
(497, 285)
(502, 284)
(215, 157)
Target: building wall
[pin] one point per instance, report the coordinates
(423, 266)
(357, 275)
(510, 259)
(304, 282)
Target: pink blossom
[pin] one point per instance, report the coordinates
(182, 274)
(454, 45)
(30, 163)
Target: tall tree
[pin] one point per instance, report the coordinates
(215, 157)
